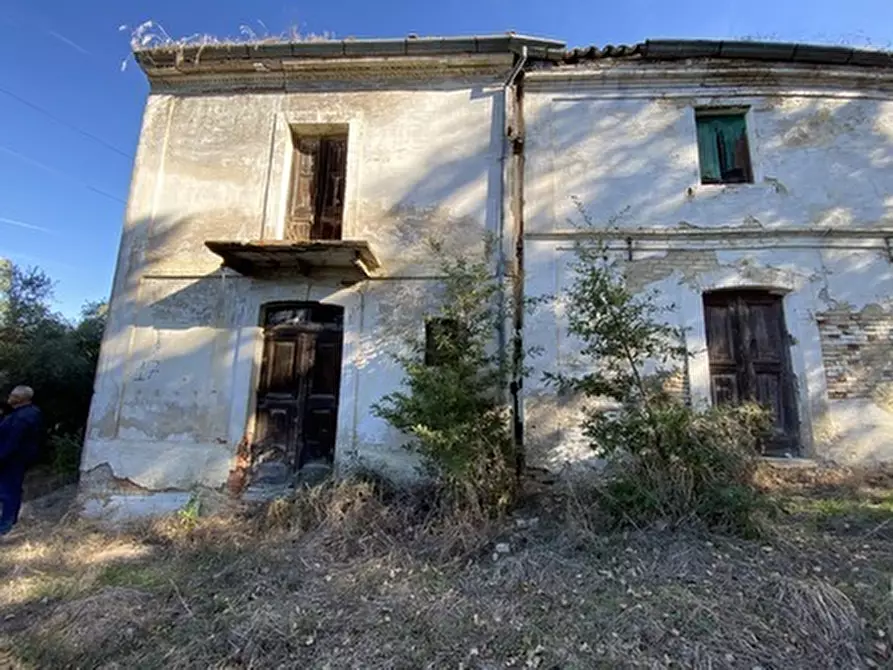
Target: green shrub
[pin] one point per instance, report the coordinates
(65, 453)
(52, 355)
(189, 514)
(681, 465)
(454, 404)
(666, 460)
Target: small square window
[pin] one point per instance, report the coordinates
(723, 152)
(442, 340)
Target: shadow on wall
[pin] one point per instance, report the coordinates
(457, 201)
(821, 162)
(113, 359)
(641, 157)
(170, 380)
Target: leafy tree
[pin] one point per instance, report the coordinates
(666, 460)
(40, 348)
(453, 405)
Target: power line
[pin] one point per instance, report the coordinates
(65, 123)
(23, 224)
(56, 171)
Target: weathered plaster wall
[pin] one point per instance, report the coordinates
(175, 387)
(821, 160)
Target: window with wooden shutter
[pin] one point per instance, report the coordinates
(723, 152)
(316, 199)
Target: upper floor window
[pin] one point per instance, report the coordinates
(722, 147)
(316, 194)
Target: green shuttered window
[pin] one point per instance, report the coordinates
(722, 147)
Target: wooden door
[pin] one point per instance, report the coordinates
(301, 210)
(297, 399)
(747, 345)
(316, 201)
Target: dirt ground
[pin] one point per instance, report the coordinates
(343, 579)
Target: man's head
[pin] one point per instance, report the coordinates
(20, 395)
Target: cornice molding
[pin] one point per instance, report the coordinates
(642, 75)
(282, 74)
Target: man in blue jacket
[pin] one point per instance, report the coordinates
(20, 434)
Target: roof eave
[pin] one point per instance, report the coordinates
(183, 56)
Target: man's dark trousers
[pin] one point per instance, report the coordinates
(12, 476)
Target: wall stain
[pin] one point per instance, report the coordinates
(776, 184)
(238, 475)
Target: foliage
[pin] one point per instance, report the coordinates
(190, 513)
(56, 358)
(678, 464)
(454, 408)
(666, 460)
(65, 453)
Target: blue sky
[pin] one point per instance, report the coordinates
(70, 118)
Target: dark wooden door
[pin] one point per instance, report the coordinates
(301, 210)
(747, 344)
(297, 399)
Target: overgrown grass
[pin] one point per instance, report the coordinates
(356, 576)
(677, 465)
(151, 34)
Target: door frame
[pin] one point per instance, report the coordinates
(805, 348)
(254, 396)
(733, 299)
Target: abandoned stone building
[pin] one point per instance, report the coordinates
(273, 256)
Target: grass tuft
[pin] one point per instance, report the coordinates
(152, 35)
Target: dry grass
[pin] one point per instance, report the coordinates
(151, 34)
(353, 577)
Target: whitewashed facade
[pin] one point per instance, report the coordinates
(813, 226)
(461, 138)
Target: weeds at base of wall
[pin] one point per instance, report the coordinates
(351, 516)
(698, 469)
(453, 404)
(668, 462)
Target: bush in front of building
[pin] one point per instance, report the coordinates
(671, 463)
(453, 405)
(666, 461)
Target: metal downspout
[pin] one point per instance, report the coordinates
(520, 60)
(514, 139)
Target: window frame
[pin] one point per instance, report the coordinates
(309, 227)
(708, 113)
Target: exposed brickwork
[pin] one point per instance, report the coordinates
(641, 272)
(677, 384)
(857, 350)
